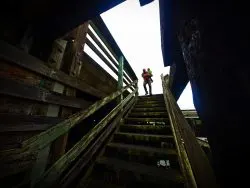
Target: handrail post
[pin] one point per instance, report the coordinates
(120, 77)
(195, 162)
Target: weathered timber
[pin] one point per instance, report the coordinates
(10, 169)
(84, 160)
(93, 74)
(50, 135)
(15, 72)
(201, 168)
(73, 69)
(31, 63)
(151, 129)
(58, 168)
(147, 120)
(17, 89)
(92, 46)
(91, 34)
(149, 114)
(155, 109)
(190, 114)
(102, 31)
(203, 143)
(149, 173)
(23, 123)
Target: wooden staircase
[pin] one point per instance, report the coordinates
(142, 151)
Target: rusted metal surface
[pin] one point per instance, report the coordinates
(33, 64)
(201, 168)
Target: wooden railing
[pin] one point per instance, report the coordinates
(85, 148)
(193, 161)
(71, 81)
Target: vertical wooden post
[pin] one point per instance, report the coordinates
(54, 61)
(120, 80)
(71, 65)
(120, 75)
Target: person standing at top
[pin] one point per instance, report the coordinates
(150, 73)
(146, 78)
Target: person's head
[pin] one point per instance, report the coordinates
(144, 70)
(148, 69)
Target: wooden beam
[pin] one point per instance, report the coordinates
(63, 163)
(99, 44)
(197, 163)
(103, 32)
(96, 76)
(18, 89)
(44, 138)
(23, 123)
(88, 155)
(89, 43)
(75, 65)
(18, 57)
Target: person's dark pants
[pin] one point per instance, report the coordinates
(149, 85)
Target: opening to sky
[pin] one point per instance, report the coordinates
(136, 30)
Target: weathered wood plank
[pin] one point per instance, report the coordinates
(103, 32)
(22, 59)
(43, 139)
(17, 89)
(92, 46)
(58, 168)
(87, 156)
(14, 139)
(192, 152)
(96, 76)
(105, 52)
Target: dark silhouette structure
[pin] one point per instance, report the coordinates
(206, 42)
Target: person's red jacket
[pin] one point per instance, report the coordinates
(145, 76)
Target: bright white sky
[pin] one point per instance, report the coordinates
(136, 30)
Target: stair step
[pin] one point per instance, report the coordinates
(155, 109)
(126, 173)
(148, 105)
(142, 154)
(150, 101)
(96, 183)
(151, 97)
(148, 129)
(145, 139)
(148, 114)
(139, 121)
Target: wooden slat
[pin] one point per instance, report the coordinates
(47, 137)
(87, 156)
(103, 32)
(24, 60)
(191, 151)
(58, 168)
(105, 51)
(17, 89)
(96, 76)
(89, 43)
(11, 119)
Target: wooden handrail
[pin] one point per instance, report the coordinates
(194, 162)
(43, 139)
(52, 174)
